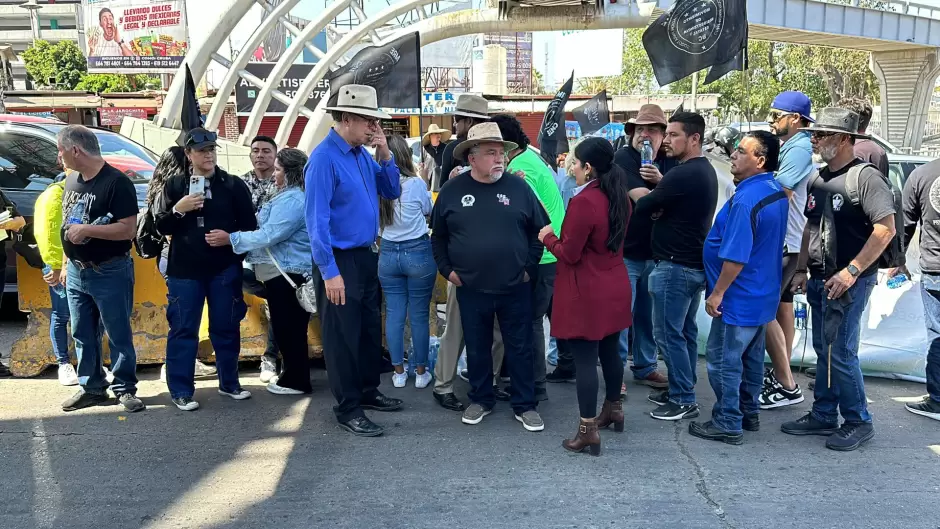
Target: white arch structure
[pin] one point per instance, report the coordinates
(374, 30)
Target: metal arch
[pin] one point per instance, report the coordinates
(283, 64)
(238, 64)
(337, 50)
(199, 59)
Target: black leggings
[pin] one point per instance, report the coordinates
(289, 321)
(586, 353)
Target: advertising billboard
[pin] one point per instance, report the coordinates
(246, 93)
(135, 36)
(518, 59)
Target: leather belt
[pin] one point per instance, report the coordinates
(84, 265)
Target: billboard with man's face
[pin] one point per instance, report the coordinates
(135, 36)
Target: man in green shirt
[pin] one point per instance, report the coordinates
(540, 177)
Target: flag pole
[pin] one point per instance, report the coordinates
(694, 92)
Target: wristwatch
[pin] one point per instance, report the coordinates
(853, 270)
(178, 213)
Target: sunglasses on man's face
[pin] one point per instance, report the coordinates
(775, 116)
(821, 135)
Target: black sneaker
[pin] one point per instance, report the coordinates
(751, 423)
(559, 376)
(675, 412)
(709, 432)
(810, 372)
(851, 436)
(501, 394)
(660, 397)
(186, 403)
(808, 425)
(927, 408)
(131, 403)
(776, 396)
(82, 400)
(769, 378)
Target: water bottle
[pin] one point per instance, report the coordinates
(799, 311)
(432, 354)
(646, 153)
(897, 281)
(58, 289)
(100, 221)
(76, 214)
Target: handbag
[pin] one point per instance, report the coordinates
(306, 293)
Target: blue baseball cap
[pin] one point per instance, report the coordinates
(795, 102)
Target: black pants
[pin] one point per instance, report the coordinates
(251, 285)
(543, 285)
(586, 353)
(352, 333)
(289, 321)
(478, 313)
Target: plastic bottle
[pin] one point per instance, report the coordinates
(432, 354)
(77, 213)
(646, 154)
(799, 311)
(100, 221)
(897, 281)
(58, 289)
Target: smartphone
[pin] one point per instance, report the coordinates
(197, 185)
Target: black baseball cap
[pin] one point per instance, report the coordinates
(200, 138)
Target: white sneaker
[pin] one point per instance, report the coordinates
(399, 379)
(238, 395)
(163, 373)
(205, 370)
(278, 390)
(67, 375)
(268, 369)
(422, 381)
(108, 375)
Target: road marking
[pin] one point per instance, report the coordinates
(47, 496)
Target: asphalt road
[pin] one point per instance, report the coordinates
(282, 462)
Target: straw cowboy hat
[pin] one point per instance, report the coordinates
(649, 114)
(434, 129)
(482, 133)
(838, 120)
(471, 106)
(360, 100)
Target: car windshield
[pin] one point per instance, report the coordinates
(113, 144)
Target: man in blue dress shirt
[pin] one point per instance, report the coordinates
(343, 183)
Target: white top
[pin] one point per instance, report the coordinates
(409, 222)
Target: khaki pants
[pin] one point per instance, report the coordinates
(452, 344)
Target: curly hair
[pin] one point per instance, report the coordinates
(860, 106)
(172, 163)
(293, 162)
(511, 129)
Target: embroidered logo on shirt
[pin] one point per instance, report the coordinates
(837, 202)
(503, 199)
(468, 200)
(935, 195)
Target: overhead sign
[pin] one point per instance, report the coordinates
(135, 36)
(111, 116)
(246, 93)
(433, 104)
(518, 59)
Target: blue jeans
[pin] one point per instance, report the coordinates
(185, 301)
(676, 293)
(930, 290)
(104, 294)
(407, 273)
(847, 394)
(639, 337)
(514, 313)
(552, 351)
(735, 360)
(59, 326)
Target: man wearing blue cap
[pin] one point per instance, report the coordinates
(789, 113)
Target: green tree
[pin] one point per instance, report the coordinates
(62, 61)
(108, 83)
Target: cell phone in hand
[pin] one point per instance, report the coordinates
(197, 185)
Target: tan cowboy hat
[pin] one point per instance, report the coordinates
(471, 106)
(482, 133)
(360, 100)
(434, 129)
(649, 114)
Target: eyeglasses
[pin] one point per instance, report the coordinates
(820, 135)
(197, 137)
(775, 116)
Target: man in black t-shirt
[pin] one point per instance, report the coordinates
(682, 208)
(649, 125)
(842, 242)
(470, 111)
(99, 216)
(921, 205)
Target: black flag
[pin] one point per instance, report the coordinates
(593, 115)
(552, 139)
(694, 35)
(190, 117)
(394, 70)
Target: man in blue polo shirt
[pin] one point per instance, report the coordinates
(743, 274)
(343, 183)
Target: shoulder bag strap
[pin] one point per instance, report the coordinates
(281, 270)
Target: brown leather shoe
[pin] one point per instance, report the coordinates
(654, 380)
(586, 439)
(611, 413)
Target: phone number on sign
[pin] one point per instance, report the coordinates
(134, 62)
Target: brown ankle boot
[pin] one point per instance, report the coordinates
(611, 413)
(587, 439)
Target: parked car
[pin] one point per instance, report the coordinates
(29, 163)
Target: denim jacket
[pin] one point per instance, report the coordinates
(282, 229)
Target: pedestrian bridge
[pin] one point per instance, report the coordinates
(904, 40)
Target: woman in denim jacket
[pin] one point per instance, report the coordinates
(406, 268)
(283, 232)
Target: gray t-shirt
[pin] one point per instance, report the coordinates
(921, 204)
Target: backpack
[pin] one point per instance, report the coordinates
(895, 254)
(148, 243)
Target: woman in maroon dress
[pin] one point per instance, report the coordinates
(591, 303)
